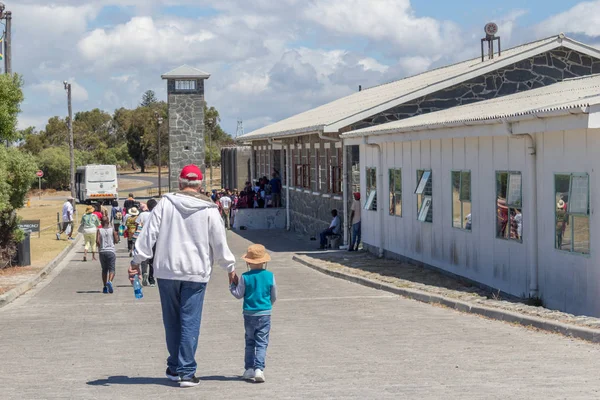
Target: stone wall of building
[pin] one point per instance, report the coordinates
(311, 213)
(532, 73)
(186, 129)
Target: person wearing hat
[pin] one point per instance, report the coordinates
(355, 219)
(190, 238)
(89, 227)
(67, 214)
(258, 289)
(131, 225)
(562, 220)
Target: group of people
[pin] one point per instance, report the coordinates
(264, 193)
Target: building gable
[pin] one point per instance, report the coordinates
(541, 70)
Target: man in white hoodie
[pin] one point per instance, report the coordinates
(190, 237)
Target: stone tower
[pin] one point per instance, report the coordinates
(185, 88)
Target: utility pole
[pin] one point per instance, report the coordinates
(210, 157)
(240, 129)
(7, 16)
(71, 144)
(159, 120)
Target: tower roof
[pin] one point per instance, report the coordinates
(186, 72)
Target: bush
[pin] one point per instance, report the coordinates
(56, 164)
(17, 173)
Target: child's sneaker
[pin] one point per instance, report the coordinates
(248, 374)
(105, 290)
(259, 376)
(189, 382)
(109, 286)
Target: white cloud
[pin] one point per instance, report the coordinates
(56, 91)
(583, 18)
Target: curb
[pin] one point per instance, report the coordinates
(17, 291)
(574, 331)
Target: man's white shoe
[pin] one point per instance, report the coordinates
(248, 374)
(259, 376)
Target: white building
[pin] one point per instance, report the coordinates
(501, 192)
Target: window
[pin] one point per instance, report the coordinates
(572, 213)
(335, 180)
(424, 194)
(395, 192)
(302, 176)
(323, 180)
(185, 85)
(461, 200)
(509, 205)
(371, 203)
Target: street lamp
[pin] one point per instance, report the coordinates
(159, 120)
(211, 122)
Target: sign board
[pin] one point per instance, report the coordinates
(40, 174)
(33, 225)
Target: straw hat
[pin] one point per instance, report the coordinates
(560, 204)
(89, 209)
(256, 254)
(134, 211)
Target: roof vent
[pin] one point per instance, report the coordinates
(490, 36)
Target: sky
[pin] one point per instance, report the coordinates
(268, 59)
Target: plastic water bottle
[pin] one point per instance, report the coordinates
(137, 287)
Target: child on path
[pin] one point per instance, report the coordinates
(257, 288)
(106, 237)
(131, 225)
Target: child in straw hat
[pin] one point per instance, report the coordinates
(257, 288)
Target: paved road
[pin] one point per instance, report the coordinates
(330, 339)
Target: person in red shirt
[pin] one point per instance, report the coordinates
(98, 211)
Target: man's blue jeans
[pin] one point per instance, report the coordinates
(182, 303)
(355, 236)
(257, 340)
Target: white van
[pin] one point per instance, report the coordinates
(96, 183)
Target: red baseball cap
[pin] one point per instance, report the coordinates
(191, 173)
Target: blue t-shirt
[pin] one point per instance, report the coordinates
(275, 185)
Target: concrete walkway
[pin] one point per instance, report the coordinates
(330, 339)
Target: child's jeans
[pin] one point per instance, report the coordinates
(257, 340)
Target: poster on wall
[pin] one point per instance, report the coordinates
(514, 190)
(578, 196)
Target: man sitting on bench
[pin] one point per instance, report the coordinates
(334, 229)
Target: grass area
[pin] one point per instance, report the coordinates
(45, 248)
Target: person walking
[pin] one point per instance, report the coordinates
(117, 219)
(106, 237)
(258, 289)
(189, 236)
(355, 219)
(225, 202)
(67, 216)
(89, 226)
(129, 203)
(131, 226)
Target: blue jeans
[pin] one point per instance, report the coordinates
(355, 236)
(182, 312)
(324, 234)
(257, 340)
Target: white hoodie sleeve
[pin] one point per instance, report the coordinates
(221, 255)
(145, 242)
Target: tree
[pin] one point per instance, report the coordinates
(11, 97)
(55, 162)
(148, 98)
(215, 137)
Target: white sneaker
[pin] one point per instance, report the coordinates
(259, 376)
(248, 374)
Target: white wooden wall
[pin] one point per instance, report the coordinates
(569, 282)
(475, 254)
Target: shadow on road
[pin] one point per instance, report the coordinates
(220, 378)
(126, 380)
(88, 292)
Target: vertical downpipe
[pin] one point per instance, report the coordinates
(287, 189)
(345, 192)
(380, 208)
